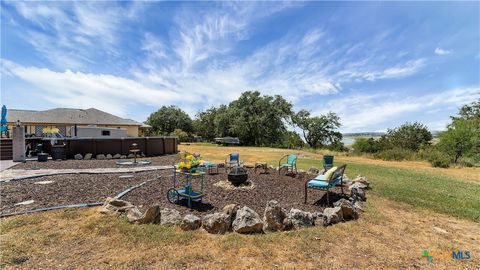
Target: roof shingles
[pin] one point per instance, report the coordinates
(90, 116)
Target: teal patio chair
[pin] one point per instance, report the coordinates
(325, 182)
(327, 163)
(291, 164)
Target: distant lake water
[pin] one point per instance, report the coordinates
(347, 141)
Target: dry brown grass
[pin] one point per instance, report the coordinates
(387, 236)
(252, 154)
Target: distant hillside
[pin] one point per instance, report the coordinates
(364, 134)
(378, 134)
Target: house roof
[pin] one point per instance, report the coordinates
(90, 116)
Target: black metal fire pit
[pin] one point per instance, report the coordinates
(237, 176)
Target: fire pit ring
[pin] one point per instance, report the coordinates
(237, 176)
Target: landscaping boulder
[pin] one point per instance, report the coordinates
(217, 223)
(318, 219)
(273, 217)
(357, 185)
(358, 206)
(362, 180)
(313, 171)
(348, 209)
(123, 157)
(131, 156)
(88, 156)
(101, 156)
(78, 157)
(190, 222)
(332, 215)
(108, 156)
(115, 206)
(117, 156)
(231, 211)
(300, 218)
(358, 194)
(287, 224)
(170, 217)
(247, 221)
(152, 215)
(133, 214)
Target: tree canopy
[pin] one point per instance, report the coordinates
(168, 119)
(407, 136)
(319, 131)
(462, 137)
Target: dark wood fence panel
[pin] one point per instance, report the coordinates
(154, 147)
(80, 146)
(6, 149)
(107, 146)
(170, 145)
(150, 146)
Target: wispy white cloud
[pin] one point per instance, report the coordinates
(84, 90)
(73, 33)
(358, 112)
(441, 51)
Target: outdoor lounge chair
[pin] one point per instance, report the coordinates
(327, 163)
(232, 160)
(326, 181)
(291, 164)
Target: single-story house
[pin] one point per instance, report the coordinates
(69, 121)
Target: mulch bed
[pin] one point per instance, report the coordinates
(67, 189)
(287, 190)
(90, 164)
(89, 188)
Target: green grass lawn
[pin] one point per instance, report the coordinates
(434, 191)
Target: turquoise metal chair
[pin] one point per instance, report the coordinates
(291, 164)
(322, 183)
(327, 162)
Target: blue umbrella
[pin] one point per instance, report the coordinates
(4, 115)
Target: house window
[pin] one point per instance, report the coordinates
(105, 132)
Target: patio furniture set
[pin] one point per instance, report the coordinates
(193, 171)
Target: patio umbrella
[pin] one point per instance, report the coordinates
(4, 115)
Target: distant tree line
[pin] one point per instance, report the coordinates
(264, 120)
(459, 144)
(256, 119)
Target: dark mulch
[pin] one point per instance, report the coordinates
(67, 189)
(89, 164)
(287, 190)
(82, 188)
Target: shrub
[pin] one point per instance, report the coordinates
(395, 154)
(182, 135)
(364, 145)
(407, 136)
(438, 159)
(470, 161)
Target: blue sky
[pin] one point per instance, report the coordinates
(376, 64)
